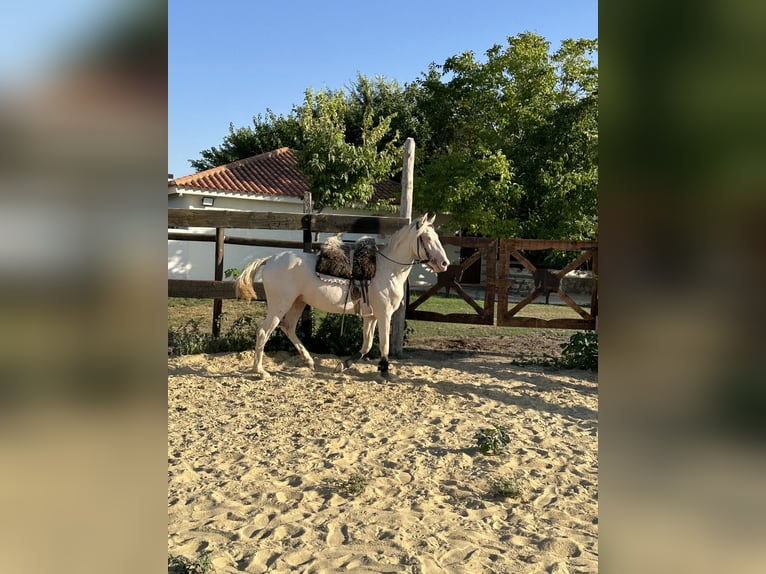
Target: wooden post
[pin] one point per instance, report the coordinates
(408, 173)
(218, 276)
(307, 322)
(594, 291)
(396, 339)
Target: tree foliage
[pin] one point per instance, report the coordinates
(341, 173)
(507, 143)
(517, 140)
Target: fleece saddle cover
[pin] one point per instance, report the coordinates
(340, 260)
(354, 262)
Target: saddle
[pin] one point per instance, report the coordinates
(356, 262)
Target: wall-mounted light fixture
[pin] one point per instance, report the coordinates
(208, 201)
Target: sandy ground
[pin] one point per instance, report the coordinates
(260, 470)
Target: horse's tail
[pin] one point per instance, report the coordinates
(244, 284)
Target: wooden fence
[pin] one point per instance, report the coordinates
(496, 254)
(218, 289)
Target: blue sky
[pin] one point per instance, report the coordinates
(232, 59)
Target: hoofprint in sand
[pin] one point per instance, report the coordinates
(257, 467)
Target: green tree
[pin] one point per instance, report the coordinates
(476, 187)
(384, 98)
(507, 144)
(513, 142)
(341, 173)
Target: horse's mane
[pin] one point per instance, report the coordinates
(398, 236)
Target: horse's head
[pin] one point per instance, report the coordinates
(429, 247)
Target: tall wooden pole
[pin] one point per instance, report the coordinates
(218, 276)
(306, 317)
(396, 340)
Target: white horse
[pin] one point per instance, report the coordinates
(291, 282)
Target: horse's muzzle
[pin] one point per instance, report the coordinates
(439, 266)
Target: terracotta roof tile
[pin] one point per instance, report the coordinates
(270, 173)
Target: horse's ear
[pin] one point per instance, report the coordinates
(431, 222)
(423, 220)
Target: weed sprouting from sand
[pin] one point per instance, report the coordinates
(493, 440)
(505, 487)
(183, 565)
(353, 485)
(581, 351)
(544, 360)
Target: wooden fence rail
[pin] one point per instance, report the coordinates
(315, 222)
(235, 240)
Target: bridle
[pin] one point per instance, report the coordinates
(421, 243)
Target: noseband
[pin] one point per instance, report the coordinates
(422, 244)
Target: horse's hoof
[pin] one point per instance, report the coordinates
(340, 367)
(262, 374)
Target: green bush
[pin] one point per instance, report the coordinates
(493, 440)
(353, 486)
(182, 565)
(505, 487)
(328, 339)
(187, 339)
(241, 336)
(581, 352)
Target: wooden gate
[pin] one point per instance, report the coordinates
(545, 283)
(499, 282)
(450, 279)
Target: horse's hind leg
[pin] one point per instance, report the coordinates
(288, 324)
(265, 329)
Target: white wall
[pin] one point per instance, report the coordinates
(195, 259)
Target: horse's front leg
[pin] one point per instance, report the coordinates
(368, 330)
(384, 329)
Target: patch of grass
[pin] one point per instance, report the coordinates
(505, 487)
(183, 565)
(181, 310)
(545, 360)
(455, 304)
(493, 440)
(353, 485)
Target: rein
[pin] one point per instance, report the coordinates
(414, 261)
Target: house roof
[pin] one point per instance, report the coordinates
(271, 173)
